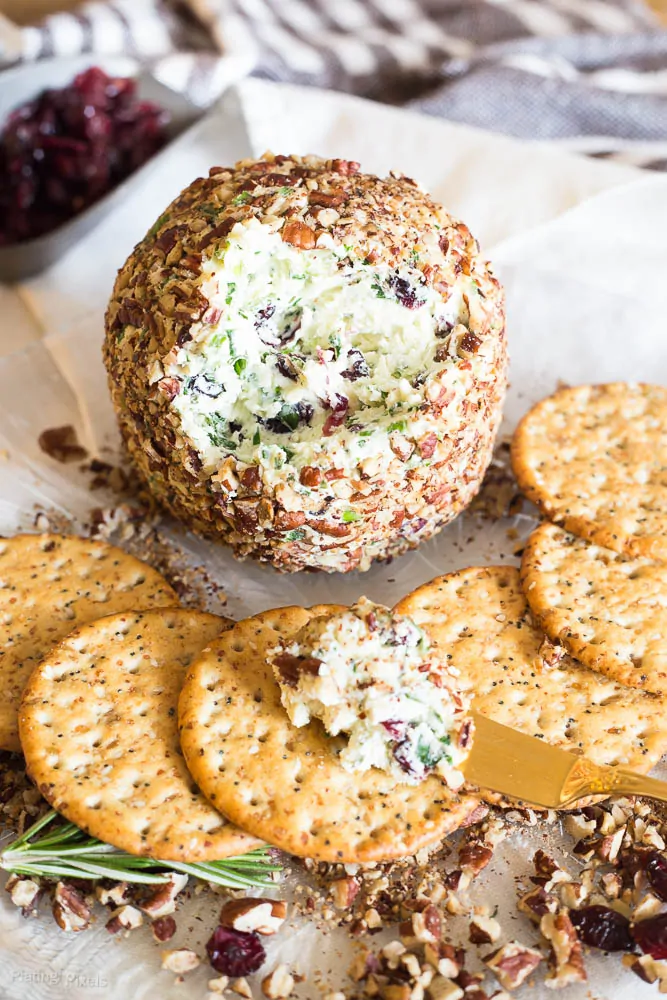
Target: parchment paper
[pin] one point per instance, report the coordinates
(582, 249)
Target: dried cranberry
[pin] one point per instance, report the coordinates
(394, 728)
(268, 330)
(234, 953)
(406, 760)
(637, 859)
(656, 873)
(286, 367)
(264, 315)
(292, 668)
(602, 927)
(651, 936)
(358, 366)
(404, 292)
(204, 385)
(291, 324)
(339, 408)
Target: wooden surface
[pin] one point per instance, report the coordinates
(661, 7)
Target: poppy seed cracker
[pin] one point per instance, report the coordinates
(285, 784)
(100, 736)
(607, 609)
(594, 460)
(51, 584)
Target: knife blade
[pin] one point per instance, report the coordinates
(524, 767)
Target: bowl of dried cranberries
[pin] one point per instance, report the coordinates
(68, 152)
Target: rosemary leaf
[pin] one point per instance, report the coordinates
(65, 851)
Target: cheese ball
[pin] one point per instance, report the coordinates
(307, 362)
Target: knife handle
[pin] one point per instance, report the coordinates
(587, 778)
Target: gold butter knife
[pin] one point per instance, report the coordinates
(527, 768)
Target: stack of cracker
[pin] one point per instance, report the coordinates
(594, 461)
(93, 654)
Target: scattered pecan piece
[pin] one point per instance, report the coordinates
(288, 520)
(428, 445)
(344, 891)
(330, 200)
(444, 957)
(310, 476)
(401, 446)
(253, 914)
(469, 344)
(251, 478)
(115, 895)
(126, 918)
(23, 892)
(345, 167)
(538, 902)
(180, 960)
(278, 984)
(169, 386)
(163, 900)
(241, 987)
(62, 444)
(483, 930)
(566, 963)
(70, 909)
(337, 530)
(513, 963)
(475, 857)
(163, 929)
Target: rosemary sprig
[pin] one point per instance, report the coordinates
(65, 851)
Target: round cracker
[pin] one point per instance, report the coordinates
(606, 609)
(49, 585)
(285, 784)
(479, 618)
(100, 735)
(594, 459)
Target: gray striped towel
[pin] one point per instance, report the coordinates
(590, 74)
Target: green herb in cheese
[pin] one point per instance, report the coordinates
(371, 674)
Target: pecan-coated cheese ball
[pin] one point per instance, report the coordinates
(308, 362)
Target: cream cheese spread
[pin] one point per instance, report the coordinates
(311, 354)
(373, 675)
